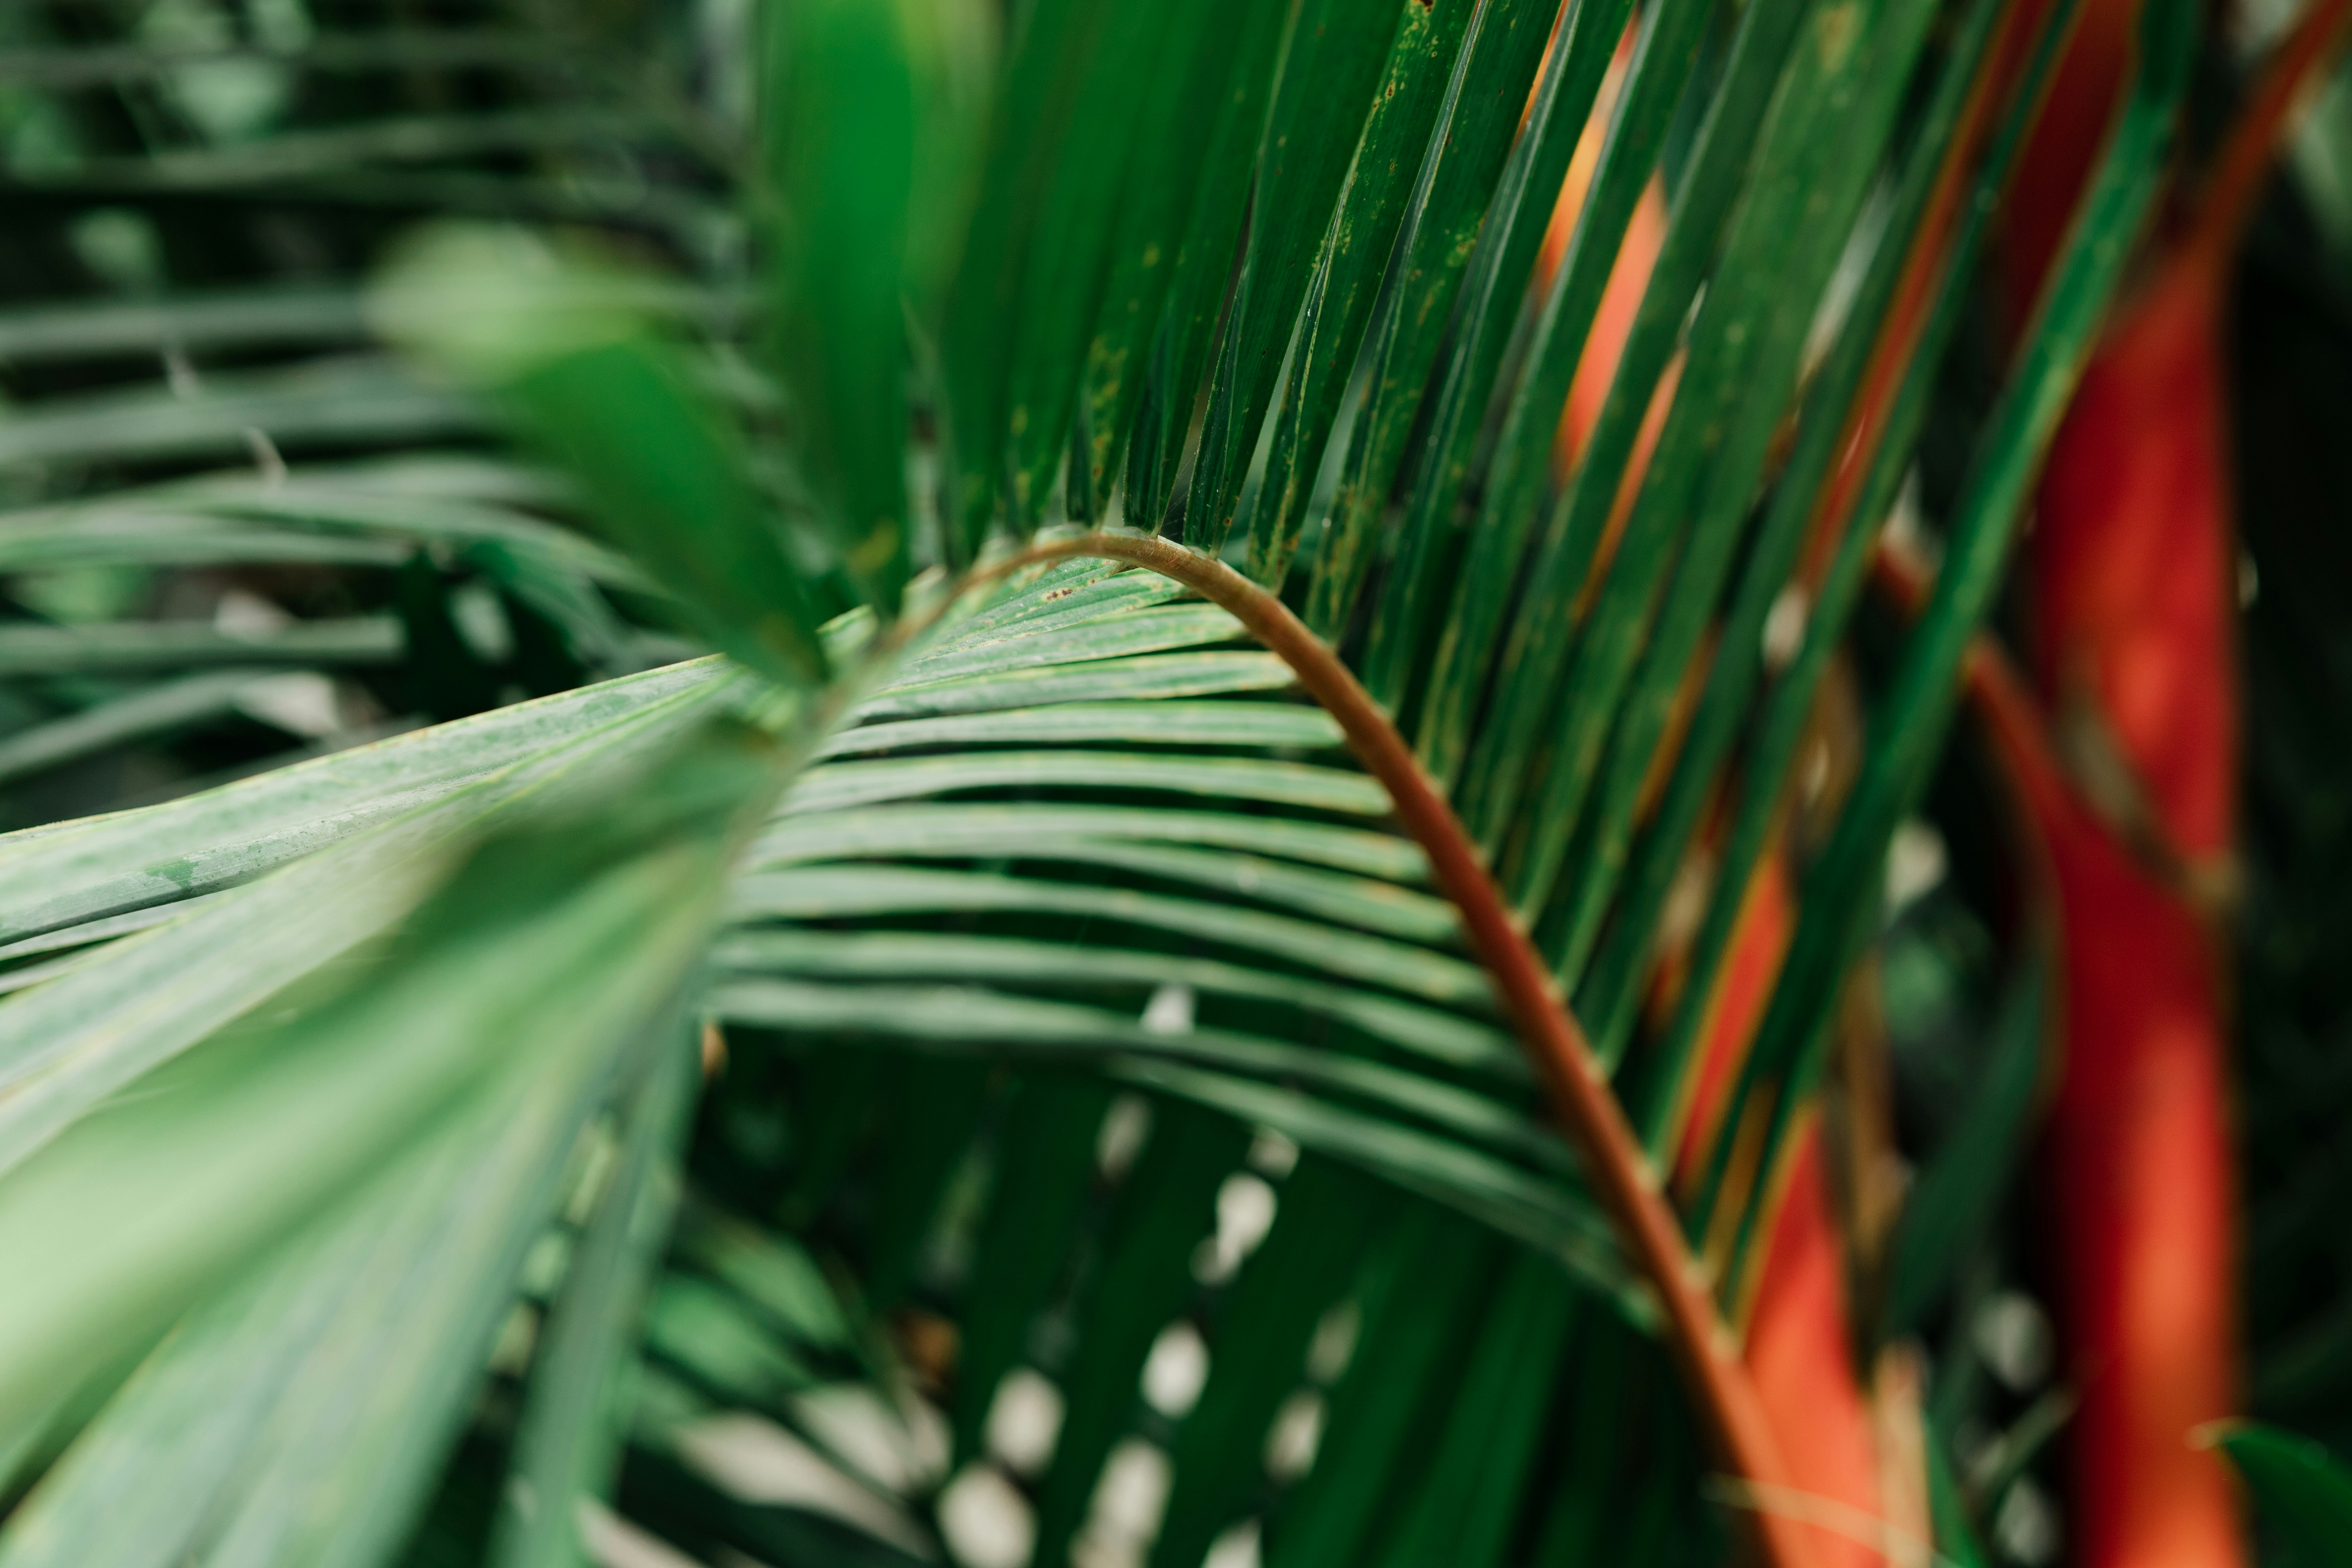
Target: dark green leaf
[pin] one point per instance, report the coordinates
(1330, 66)
(2299, 1487)
(839, 98)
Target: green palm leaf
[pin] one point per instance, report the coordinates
(978, 859)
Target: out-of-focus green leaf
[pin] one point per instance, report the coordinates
(155, 1477)
(566, 944)
(1328, 1215)
(365, 399)
(613, 403)
(73, 872)
(138, 645)
(1468, 1499)
(66, 1045)
(2299, 1488)
(161, 709)
(561, 946)
(1955, 1536)
(1418, 1303)
(933, 1117)
(1948, 1207)
(1048, 1152)
(1164, 1209)
(576, 1404)
(708, 1335)
(1597, 1466)
(768, 1270)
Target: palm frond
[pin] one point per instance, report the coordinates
(328, 1056)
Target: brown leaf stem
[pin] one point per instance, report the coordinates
(1620, 1171)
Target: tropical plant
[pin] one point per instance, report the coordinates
(1097, 778)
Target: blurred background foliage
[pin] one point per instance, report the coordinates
(1001, 1219)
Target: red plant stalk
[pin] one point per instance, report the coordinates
(1800, 1344)
(1800, 1354)
(2132, 582)
(2140, 1157)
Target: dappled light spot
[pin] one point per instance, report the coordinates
(1334, 1344)
(2026, 1529)
(987, 1523)
(1296, 1433)
(1170, 1010)
(760, 1462)
(613, 1541)
(1023, 1421)
(1125, 1126)
(1245, 1208)
(1176, 1370)
(2014, 1337)
(903, 1448)
(1236, 1548)
(1271, 1155)
(1916, 863)
(1128, 1504)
